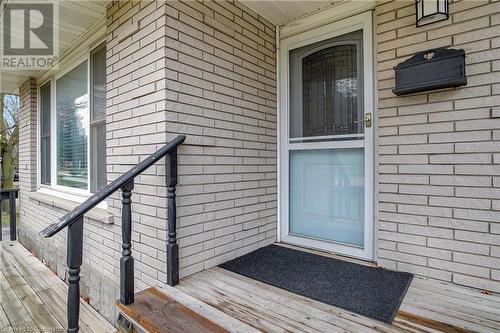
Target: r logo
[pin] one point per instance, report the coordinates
(28, 29)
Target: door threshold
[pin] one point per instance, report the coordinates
(330, 254)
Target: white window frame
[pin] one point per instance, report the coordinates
(310, 36)
(65, 67)
(39, 133)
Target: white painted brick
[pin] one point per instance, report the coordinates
(460, 202)
(477, 237)
(404, 257)
(471, 281)
(426, 169)
(458, 267)
(425, 251)
(403, 218)
(457, 245)
(425, 231)
(460, 136)
(404, 238)
(425, 271)
(460, 159)
(458, 224)
(437, 148)
(460, 180)
(479, 215)
(426, 190)
(425, 210)
(477, 260)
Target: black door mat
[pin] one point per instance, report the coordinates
(369, 291)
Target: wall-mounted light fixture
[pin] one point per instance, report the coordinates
(430, 11)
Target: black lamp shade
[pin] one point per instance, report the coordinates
(430, 11)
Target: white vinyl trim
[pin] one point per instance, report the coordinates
(358, 22)
(328, 137)
(343, 9)
(279, 133)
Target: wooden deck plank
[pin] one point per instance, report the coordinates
(14, 308)
(89, 318)
(52, 290)
(158, 313)
(41, 315)
(265, 321)
(428, 307)
(300, 307)
(50, 298)
(276, 305)
(314, 309)
(4, 321)
(428, 299)
(469, 295)
(451, 311)
(229, 323)
(42, 273)
(458, 307)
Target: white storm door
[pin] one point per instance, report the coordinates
(326, 138)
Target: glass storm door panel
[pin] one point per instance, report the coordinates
(327, 194)
(326, 154)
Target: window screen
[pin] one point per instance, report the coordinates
(72, 128)
(98, 120)
(45, 134)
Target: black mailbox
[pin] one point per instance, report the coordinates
(429, 70)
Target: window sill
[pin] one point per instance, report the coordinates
(96, 213)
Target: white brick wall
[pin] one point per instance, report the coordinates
(206, 70)
(27, 134)
(439, 186)
(221, 81)
(136, 125)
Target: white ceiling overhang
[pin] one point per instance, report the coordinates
(292, 17)
(75, 18)
(280, 12)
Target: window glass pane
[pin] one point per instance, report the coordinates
(98, 139)
(45, 134)
(72, 128)
(326, 88)
(98, 124)
(98, 64)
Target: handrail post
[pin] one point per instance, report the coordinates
(12, 215)
(74, 261)
(172, 246)
(127, 261)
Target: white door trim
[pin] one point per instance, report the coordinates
(361, 21)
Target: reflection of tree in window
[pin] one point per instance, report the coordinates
(330, 91)
(72, 130)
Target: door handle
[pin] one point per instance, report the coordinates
(367, 120)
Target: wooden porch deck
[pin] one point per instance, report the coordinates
(33, 298)
(427, 307)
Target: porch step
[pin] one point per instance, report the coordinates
(170, 310)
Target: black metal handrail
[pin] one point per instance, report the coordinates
(11, 194)
(74, 221)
